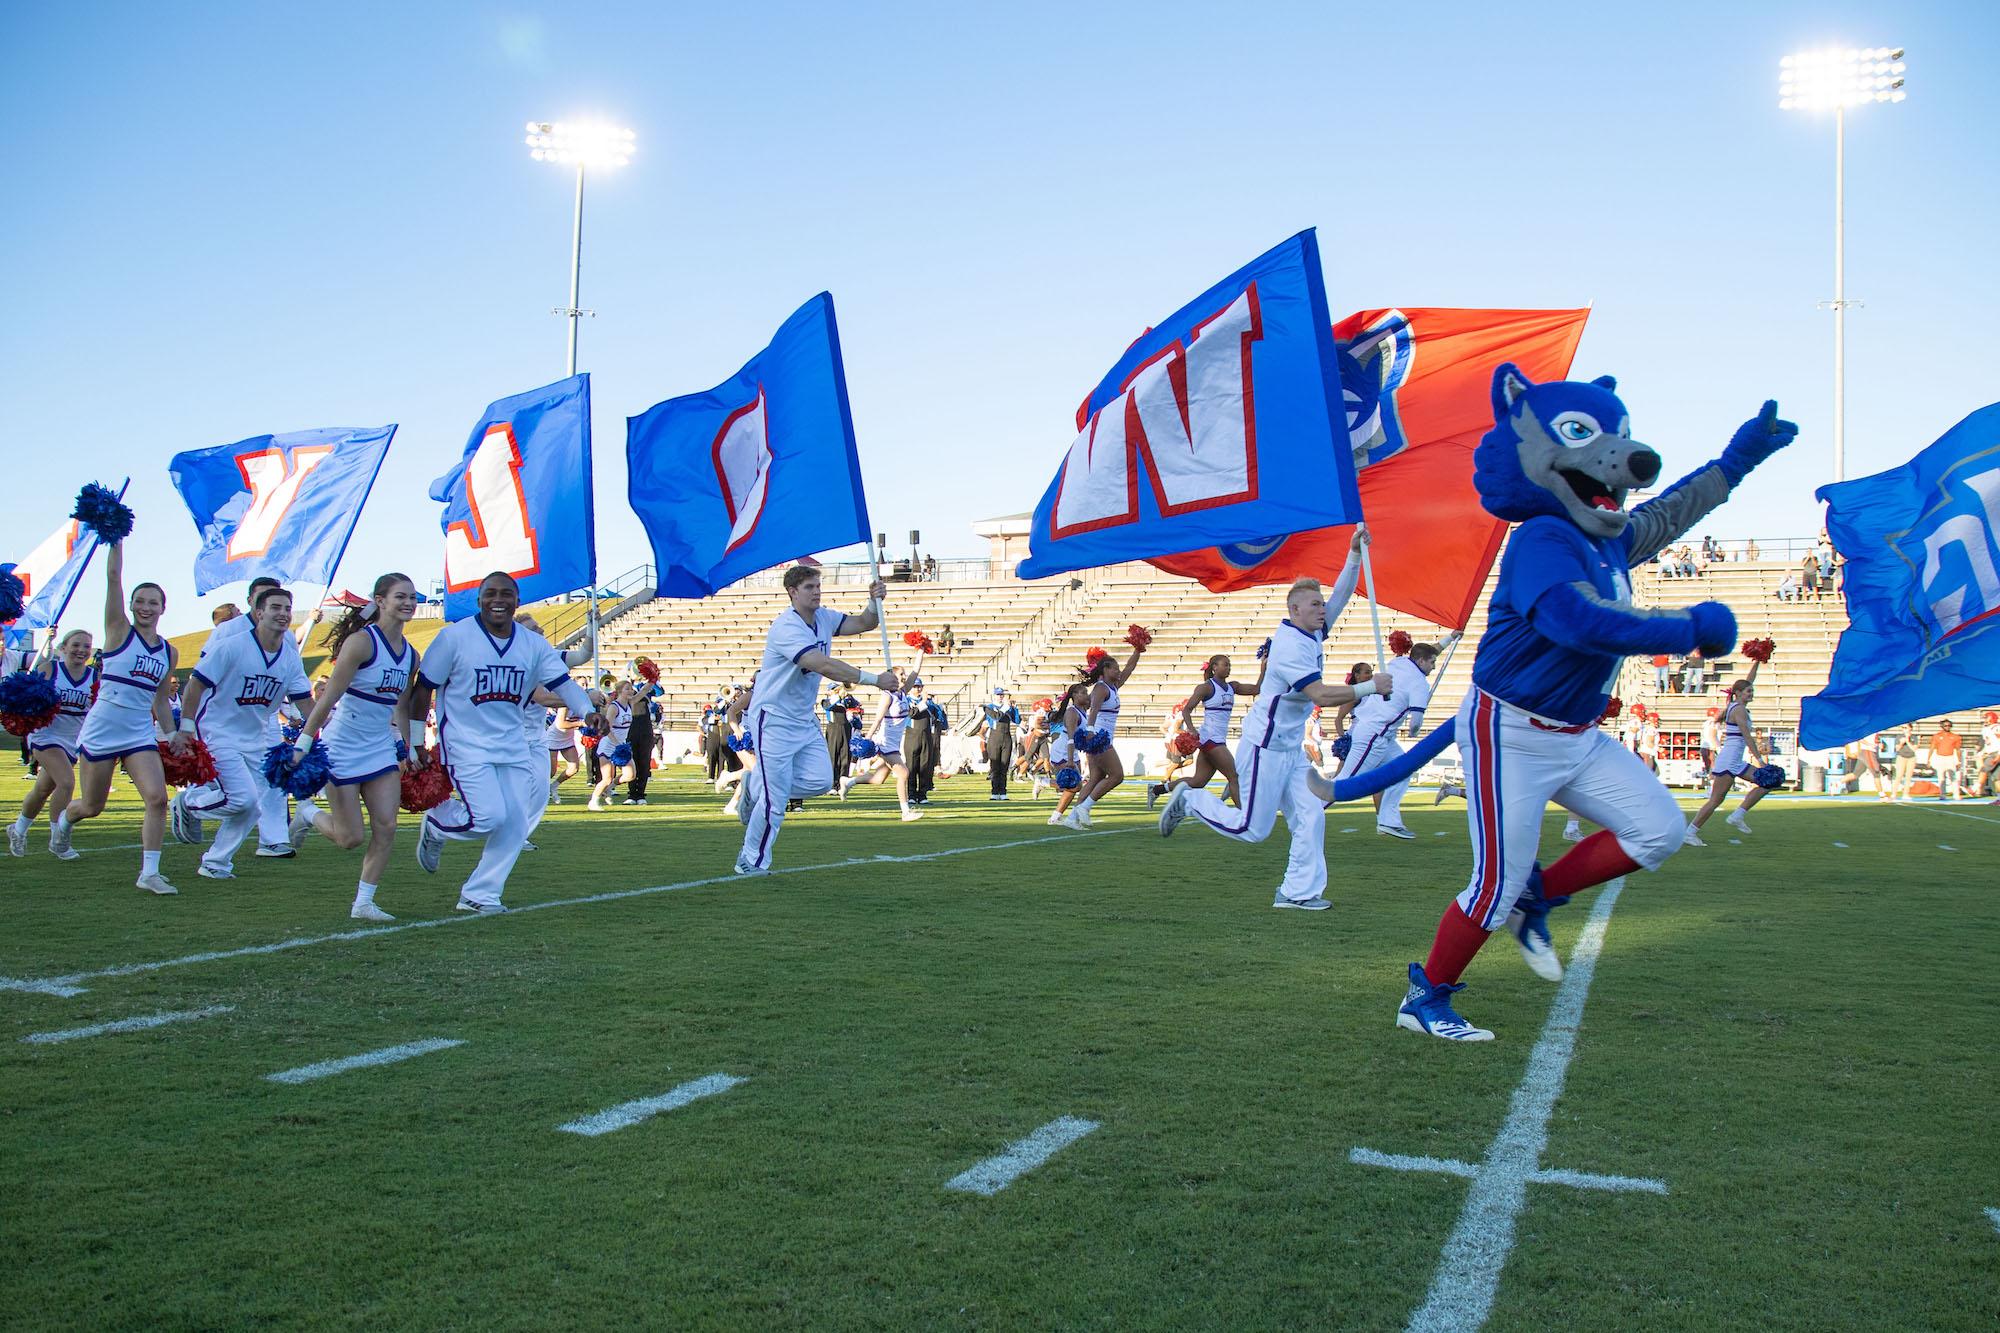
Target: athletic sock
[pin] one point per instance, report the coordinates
(364, 893)
(307, 813)
(1593, 861)
(1085, 804)
(149, 864)
(60, 824)
(21, 825)
(1458, 939)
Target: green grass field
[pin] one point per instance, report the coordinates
(1797, 1038)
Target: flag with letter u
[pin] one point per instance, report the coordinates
(757, 471)
(278, 506)
(49, 573)
(519, 501)
(1222, 424)
(1922, 545)
(1418, 390)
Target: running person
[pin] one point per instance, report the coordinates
(1103, 770)
(1731, 763)
(791, 753)
(482, 670)
(358, 714)
(1063, 722)
(890, 732)
(53, 747)
(130, 711)
(618, 722)
(1217, 695)
(238, 683)
(1377, 720)
(539, 713)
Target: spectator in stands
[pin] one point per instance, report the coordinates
(1662, 674)
(1788, 588)
(1684, 561)
(1824, 550)
(1750, 551)
(1809, 576)
(930, 569)
(1693, 669)
(946, 641)
(1906, 764)
(1944, 759)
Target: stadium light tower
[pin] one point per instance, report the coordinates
(581, 146)
(1834, 80)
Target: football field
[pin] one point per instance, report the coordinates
(978, 1072)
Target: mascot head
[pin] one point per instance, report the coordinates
(1562, 448)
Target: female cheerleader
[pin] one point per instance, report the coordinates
(560, 737)
(122, 725)
(892, 725)
(1217, 695)
(1730, 763)
(366, 734)
(1104, 770)
(618, 713)
(53, 748)
(736, 726)
(1066, 717)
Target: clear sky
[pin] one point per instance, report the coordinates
(222, 220)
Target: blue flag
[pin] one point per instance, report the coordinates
(52, 570)
(519, 500)
(278, 506)
(1223, 425)
(759, 470)
(1922, 544)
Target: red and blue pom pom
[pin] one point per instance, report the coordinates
(1770, 777)
(1341, 746)
(426, 788)
(587, 738)
(100, 510)
(1067, 778)
(302, 779)
(860, 747)
(13, 595)
(190, 768)
(28, 702)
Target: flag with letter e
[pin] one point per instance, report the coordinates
(519, 499)
(1418, 388)
(757, 471)
(278, 506)
(1222, 424)
(49, 573)
(1922, 581)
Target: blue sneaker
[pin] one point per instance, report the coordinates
(1427, 1009)
(1528, 923)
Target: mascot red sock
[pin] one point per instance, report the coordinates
(1591, 862)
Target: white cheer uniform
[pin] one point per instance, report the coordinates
(483, 685)
(1377, 719)
(1729, 756)
(1107, 712)
(361, 735)
(72, 702)
(121, 721)
(792, 760)
(244, 686)
(1215, 711)
(895, 724)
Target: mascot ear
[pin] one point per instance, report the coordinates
(1607, 382)
(1508, 385)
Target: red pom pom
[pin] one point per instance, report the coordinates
(189, 769)
(921, 641)
(427, 787)
(1759, 650)
(648, 670)
(587, 739)
(20, 724)
(1400, 642)
(1185, 743)
(1138, 636)
(1093, 657)
(1612, 708)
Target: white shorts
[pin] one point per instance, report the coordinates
(360, 751)
(111, 732)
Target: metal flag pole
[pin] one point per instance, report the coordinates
(881, 620)
(1374, 608)
(575, 314)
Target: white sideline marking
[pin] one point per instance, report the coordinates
(1468, 1272)
(388, 1055)
(645, 1108)
(989, 1177)
(129, 1024)
(72, 983)
(1590, 1180)
(1955, 814)
(1993, 1216)
(1448, 1166)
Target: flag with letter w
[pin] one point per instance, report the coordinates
(757, 471)
(1222, 424)
(519, 501)
(281, 506)
(1922, 546)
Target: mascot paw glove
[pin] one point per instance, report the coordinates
(1756, 440)
(1714, 627)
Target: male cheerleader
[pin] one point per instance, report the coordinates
(272, 839)
(482, 671)
(792, 762)
(1377, 719)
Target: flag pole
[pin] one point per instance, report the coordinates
(881, 621)
(1374, 608)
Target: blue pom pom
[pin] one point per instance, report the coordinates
(290, 733)
(1341, 746)
(1769, 776)
(26, 692)
(1067, 778)
(302, 779)
(860, 747)
(12, 593)
(402, 749)
(1093, 740)
(741, 744)
(103, 513)
(621, 755)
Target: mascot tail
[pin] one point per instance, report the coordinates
(1393, 772)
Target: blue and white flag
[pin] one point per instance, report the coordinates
(759, 470)
(52, 570)
(519, 500)
(278, 506)
(1222, 425)
(1922, 544)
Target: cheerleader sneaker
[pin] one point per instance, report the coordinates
(1736, 822)
(748, 869)
(1036, 792)
(59, 846)
(300, 828)
(1427, 1009)
(912, 816)
(430, 848)
(368, 912)
(1316, 903)
(17, 840)
(1073, 820)
(1154, 791)
(1054, 819)
(555, 792)
(1693, 838)
(593, 804)
(157, 883)
(281, 850)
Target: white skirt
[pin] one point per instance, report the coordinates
(111, 732)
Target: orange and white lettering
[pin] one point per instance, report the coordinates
(274, 481)
(499, 535)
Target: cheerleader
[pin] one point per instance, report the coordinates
(1170, 730)
(559, 736)
(1343, 716)
(891, 729)
(611, 770)
(1063, 772)
(1217, 695)
(1730, 763)
(366, 734)
(1103, 770)
(124, 723)
(53, 747)
(737, 744)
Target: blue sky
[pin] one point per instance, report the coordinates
(223, 220)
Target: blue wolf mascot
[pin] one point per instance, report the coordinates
(1560, 461)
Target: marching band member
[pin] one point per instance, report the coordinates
(53, 747)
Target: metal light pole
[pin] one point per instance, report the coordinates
(1836, 80)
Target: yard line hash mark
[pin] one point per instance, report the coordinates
(128, 1024)
(626, 1114)
(388, 1055)
(996, 1173)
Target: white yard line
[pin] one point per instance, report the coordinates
(1955, 814)
(1444, 1166)
(1468, 1272)
(73, 983)
(388, 1055)
(645, 1108)
(1022, 1156)
(129, 1024)
(1993, 1216)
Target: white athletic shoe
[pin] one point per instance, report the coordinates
(1536, 947)
(592, 804)
(1572, 832)
(912, 816)
(17, 840)
(157, 883)
(1736, 822)
(1055, 819)
(185, 827)
(1154, 791)
(1693, 838)
(1447, 789)
(1176, 811)
(1038, 785)
(59, 840)
(1395, 831)
(430, 847)
(734, 806)
(1070, 820)
(748, 870)
(1313, 904)
(368, 912)
(207, 873)
(555, 792)
(300, 828)
(1081, 815)
(282, 850)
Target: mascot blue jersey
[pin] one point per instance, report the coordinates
(1543, 674)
